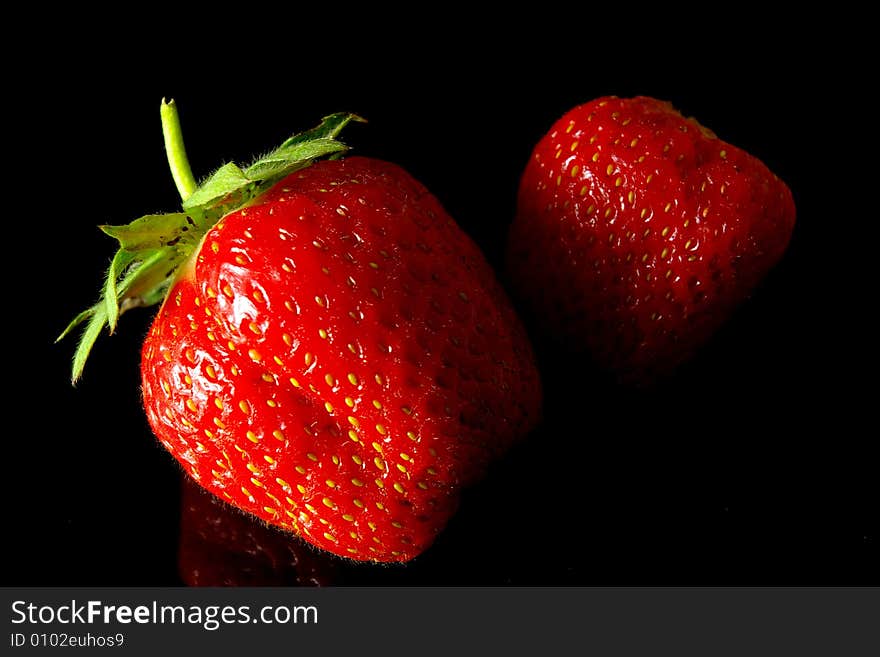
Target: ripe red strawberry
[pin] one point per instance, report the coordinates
(638, 232)
(333, 355)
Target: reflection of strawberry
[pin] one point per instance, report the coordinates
(221, 546)
(333, 354)
(638, 232)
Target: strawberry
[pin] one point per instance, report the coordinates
(638, 232)
(332, 354)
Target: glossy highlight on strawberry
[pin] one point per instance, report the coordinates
(638, 232)
(333, 355)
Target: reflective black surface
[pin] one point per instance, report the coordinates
(754, 465)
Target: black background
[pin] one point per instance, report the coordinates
(753, 466)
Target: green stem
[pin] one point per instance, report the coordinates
(174, 148)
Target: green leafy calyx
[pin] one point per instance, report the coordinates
(153, 248)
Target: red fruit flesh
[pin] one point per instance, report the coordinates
(638, 232)
(339, 360)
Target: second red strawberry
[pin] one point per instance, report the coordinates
(638, 232)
